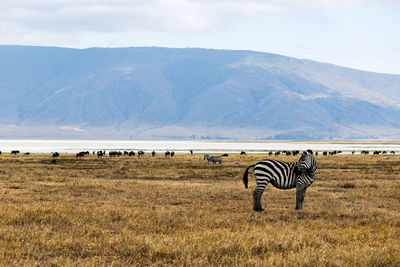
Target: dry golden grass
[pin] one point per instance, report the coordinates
(179, 211)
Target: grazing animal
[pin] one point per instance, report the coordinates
(172, 154)
(191, 152)
(283, 175)
(167, 154)
(242, 153)
(206, 157)
(114, 153)
(56, 155)
(153, 153)
(53, 161)
(140, 153)
(82, 153)
(14, 152)
(214, 159)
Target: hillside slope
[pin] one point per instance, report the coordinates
(189, 93)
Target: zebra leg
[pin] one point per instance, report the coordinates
(300, 194)
(257, 201)
(257, 197)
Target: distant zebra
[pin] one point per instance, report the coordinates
(283, 175)
(214, 159)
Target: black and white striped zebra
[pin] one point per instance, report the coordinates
(283, 175)
(213, 159)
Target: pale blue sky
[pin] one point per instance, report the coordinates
(362, 34)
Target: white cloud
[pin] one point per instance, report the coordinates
(122, 15)
(327, 28)
(156, 15)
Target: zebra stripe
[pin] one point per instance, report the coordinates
(283, 175)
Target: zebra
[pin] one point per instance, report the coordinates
(283, 175)
(214, 159)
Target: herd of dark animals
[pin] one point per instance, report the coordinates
(210, 159)
(213, 159)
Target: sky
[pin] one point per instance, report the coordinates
(361, 34)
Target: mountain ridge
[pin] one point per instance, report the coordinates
(132, 92)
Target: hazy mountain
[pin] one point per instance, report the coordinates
(191, 93)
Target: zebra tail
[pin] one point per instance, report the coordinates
(246, 174)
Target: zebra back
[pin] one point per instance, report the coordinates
(280, 174)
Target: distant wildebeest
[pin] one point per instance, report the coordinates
(167, 154)
(80, 154)
(391, 152)
(153, 153)
(140, 153)
(172, 154)
(0, 152)
(100, 154)
(224, 155)
(295, 152)
(27, 153)
(15, 152)
(214, 159)
(283, 175)
(56, 155)
(53, 161)
(131, 153)
(288, 153)
(115, 153)
(242, 153)
(191, 152)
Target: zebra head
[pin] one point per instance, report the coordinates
(307, 163)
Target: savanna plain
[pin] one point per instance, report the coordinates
(179, 211)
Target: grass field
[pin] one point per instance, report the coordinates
(179, 211)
